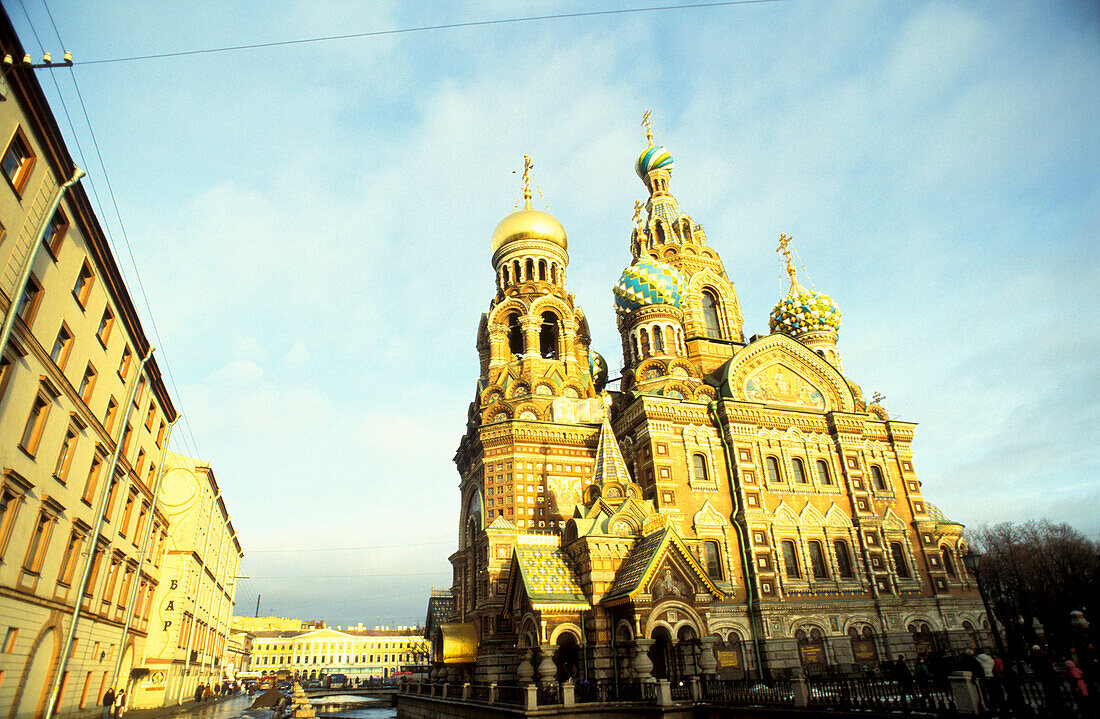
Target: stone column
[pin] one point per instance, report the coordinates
(708, 665)
(664, 693)
(800, 690)
(531, 326)
(498, 345)
(568, 695)
(642, 663)
(687, 657)
(525, 673)
(547, 668)
(965, 693)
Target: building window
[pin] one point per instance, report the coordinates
(111, 496)
(947, 563)
(124, 363)
(126, 437)
(87, 383)
(65, 456)
(150, 416)
(112, 412)
(93, 479)
(28, 302)
(876, 475)
(62, 346)
(55, 234)
(843, 559)
(772, 465)
(799, 471)
(36, 422)
(515, 336)
(68, 561)
(823, 472)
(790, 558)
(548, 336)
(83, 286)
(714, 559)
(106, 323)
(817, 561)
(710, 315)
(10, 501)
(899, 560)
(40, 540)
(18, 161)
(699, 464)
(160, 434)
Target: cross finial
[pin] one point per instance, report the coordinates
(647, 123)
(527, 165)
(638, 213)
(783, 249)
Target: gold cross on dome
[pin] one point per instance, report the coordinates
(638, 213)
(527, 165)
(647, 123)
(783, 249)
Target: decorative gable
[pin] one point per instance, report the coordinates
(708, 516)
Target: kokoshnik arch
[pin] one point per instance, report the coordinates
(737, 507)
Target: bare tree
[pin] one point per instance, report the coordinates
(1044, 571)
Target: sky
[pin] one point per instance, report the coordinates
(311, 222)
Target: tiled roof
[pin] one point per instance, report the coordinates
(634, 567)
(610, 466)
(546, 577)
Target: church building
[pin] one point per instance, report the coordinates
(736, 508)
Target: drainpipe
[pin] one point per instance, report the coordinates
(144, 548)
(66, 648)
(28, 264)
(743, 541)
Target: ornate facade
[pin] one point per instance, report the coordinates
(736, 507)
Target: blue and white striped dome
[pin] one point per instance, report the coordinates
(653, 158)
(646, 283)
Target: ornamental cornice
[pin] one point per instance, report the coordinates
(901, 431)
(653, 311)
(530, 247)
(516, 431)
(846, 423)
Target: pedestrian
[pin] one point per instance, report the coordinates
(903, 676)
(986, 663)
(108, 703)
(922, 674)
(969, 663)
(1076, 680)
(120, 703)
(198, 693)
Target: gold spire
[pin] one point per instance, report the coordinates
(647, 123)
(785, 240)
(527, 165)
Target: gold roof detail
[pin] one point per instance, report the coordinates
(455, 644)
(528, 223)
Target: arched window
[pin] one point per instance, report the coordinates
(548, 336)
(899, 560)
(530, 270)
(817, 561)
(876, 475)
(773, 469)
(658, 341)
(516, 276)
(554, 273)
(799, 471)
(823, 472)
(947, 563)
(645, 341)
(504, 277)
(710, 315)
(790, 558)
(714, 559)
(843, 559)
(515, 336)
(699, 464)
(670, 339)
(542, 270)
(637, 354)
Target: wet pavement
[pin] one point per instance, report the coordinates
(336, 707)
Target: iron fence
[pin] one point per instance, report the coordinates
(876, 694)
(748, 691)
(549, 694)
(479, 692)
(511, 694)
(1033, 698)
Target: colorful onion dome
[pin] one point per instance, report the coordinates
(646, 283)
(804, 310)
(528, 224)
(653, 158)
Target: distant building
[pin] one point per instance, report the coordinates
(358, 653)
(194, 603)
(267, 624)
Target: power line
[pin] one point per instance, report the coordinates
(425, 28)
(359, 576)
(348, 549)
(118, 215)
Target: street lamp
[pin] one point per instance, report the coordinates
(973, 562)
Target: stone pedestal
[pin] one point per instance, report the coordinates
(965, 693)
(547, 668)
(800, 689)
(568, 696)
(642, 663)
(525, 673)
(708, 665)
(664, 693)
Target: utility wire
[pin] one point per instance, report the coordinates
(121, 224)
(424, 28)
(358, 576)
(345, 549)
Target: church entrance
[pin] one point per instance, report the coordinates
(660, 653)
(864, 650)
(566, 656)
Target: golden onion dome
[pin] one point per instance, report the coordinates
(529, 224)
